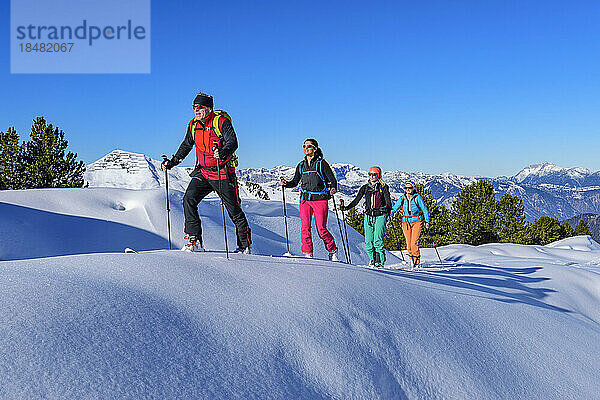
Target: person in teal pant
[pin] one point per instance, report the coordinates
(377, 208)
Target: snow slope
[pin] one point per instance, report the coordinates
(510, 322)
(51, 222)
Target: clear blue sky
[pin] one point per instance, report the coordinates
(469, 87)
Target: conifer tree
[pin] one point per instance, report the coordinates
(11, 170)
(582, 228)
(393, 233)
(545, 230)
(473, 214)
(47, 164)
(439, 231)
(356, 220)
(566, 230)
(510, 219)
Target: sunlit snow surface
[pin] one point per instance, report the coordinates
(505, 321)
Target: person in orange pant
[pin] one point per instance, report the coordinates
(414, 212)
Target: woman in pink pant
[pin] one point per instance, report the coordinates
(318, 184)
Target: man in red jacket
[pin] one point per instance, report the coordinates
(210, 147)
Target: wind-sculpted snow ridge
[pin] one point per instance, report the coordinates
(503, 322)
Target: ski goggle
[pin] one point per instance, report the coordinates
(198, 107)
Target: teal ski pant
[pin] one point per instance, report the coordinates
(374, 231)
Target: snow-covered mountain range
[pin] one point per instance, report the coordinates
(545, 189)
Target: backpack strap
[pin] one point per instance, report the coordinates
(417, 195)
(217, 124)
(417, 203)
(192, 128)
(319, 166)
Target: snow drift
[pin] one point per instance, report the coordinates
(52, 222)
(508, 321)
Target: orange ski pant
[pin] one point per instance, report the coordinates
(412, 232)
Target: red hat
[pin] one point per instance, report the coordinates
(375, 170)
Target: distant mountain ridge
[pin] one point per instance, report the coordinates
(545, 188)
(550, 174)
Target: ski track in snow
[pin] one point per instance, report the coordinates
(503, 322)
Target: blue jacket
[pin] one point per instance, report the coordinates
(411, 209)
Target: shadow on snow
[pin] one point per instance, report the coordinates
(508, 285)
(49, 234)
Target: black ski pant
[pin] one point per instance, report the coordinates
(227, 190)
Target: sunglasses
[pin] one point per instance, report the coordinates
(408, 188)
(371, 174)
(308, 146)
(198, 107)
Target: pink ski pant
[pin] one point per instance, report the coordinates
(320, 209)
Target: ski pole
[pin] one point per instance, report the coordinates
(438, 254)
(287, 241)
(164, 157)
(340, 228)
(346, 232)
(392, 225)
(436, 251)
(221, 198)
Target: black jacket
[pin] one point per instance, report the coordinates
(371, 193)
(316, 179)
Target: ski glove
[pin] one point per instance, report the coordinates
(170, 163)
